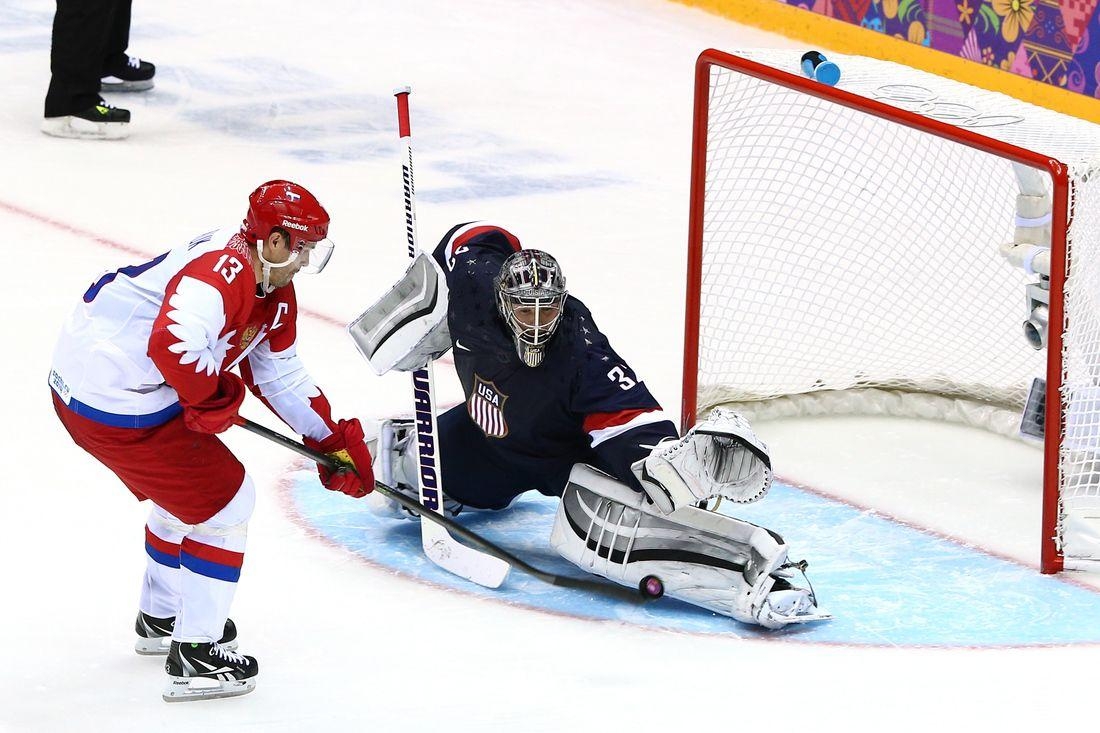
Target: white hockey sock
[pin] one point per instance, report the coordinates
(211, 556)
(160, 589)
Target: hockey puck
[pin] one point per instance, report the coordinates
(651, 587)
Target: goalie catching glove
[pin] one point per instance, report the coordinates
(720, 456)
(346, 445)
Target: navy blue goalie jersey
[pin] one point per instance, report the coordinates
(583, 403)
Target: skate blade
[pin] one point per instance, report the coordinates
(186, 689)
(806, 618)
(126, 86)
(773, 619)
(78, 129)
(160, 645)
(151, 647)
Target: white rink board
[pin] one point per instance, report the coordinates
(570, 122)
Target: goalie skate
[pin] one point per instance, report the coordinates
(784, 603)
(207, 671)
(790, 607)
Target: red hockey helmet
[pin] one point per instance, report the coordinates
(284, 205)
(288, 207)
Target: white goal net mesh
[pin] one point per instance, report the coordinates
(851, 263)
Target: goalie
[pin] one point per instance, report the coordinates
(551, 407)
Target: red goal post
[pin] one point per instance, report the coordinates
(864, 242)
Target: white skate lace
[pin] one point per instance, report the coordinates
(133, 61)
(220, 651)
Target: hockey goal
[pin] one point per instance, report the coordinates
(877, 247)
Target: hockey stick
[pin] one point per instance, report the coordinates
(498, 554)
(439, 546)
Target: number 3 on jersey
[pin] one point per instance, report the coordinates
(619, 375)
(228, 266)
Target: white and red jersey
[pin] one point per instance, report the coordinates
(147, 337)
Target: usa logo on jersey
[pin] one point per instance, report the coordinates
(486, 408)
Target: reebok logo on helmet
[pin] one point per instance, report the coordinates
(293, 225)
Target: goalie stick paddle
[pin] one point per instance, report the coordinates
(650, 588)
(439, 546)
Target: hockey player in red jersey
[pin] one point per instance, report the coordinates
(143, 380)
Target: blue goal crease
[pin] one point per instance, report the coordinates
(885, 583)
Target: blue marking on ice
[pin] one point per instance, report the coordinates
(25, 29)
(886, 584)
(313, 118)
(306, 116)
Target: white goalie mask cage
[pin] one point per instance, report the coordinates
(531, 296)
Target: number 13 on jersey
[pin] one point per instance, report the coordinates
(228, 266)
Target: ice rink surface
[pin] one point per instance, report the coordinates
(569, 122)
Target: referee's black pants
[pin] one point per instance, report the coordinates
(88, 36)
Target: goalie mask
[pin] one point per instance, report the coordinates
(530, 297)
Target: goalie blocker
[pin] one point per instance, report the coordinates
(407, 327)
(701, 557)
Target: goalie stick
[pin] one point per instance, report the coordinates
(439, 546)
(649, 590)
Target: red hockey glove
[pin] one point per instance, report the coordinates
(217, 413)
(346, 444)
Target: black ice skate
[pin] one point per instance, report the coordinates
(206, 671)
(99, 122)
(155, 634)
(128, 74)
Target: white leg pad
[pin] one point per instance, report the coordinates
(707, 559)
